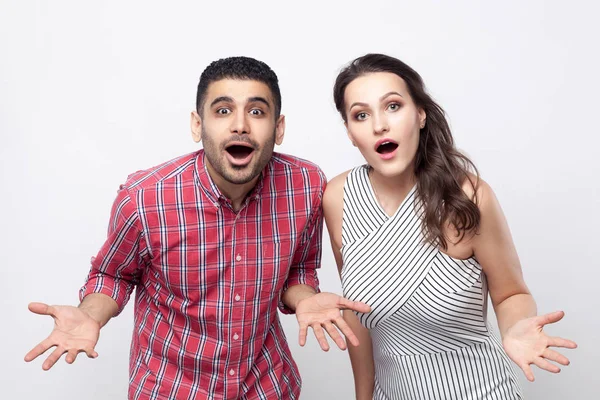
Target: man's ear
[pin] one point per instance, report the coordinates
(280, 130)
(196, 126)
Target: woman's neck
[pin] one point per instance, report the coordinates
(391, 191)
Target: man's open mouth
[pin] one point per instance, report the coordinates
(239, 153)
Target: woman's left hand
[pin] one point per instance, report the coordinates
(526, 343)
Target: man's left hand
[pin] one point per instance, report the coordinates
(322, 312)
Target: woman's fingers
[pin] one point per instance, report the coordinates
(545, 364)
(555, 356)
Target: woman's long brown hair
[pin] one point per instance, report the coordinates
(440, 168)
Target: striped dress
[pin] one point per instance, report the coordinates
(428, 319)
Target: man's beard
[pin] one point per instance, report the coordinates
(232, 173)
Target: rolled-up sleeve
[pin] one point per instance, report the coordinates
(116, 269)
(307, 257)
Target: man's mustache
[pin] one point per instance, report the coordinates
(240, 138)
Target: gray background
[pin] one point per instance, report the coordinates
(91, 91)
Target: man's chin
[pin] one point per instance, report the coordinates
(240, 175)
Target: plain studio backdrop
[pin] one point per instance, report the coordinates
(92, 91)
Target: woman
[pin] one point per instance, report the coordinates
(421, 239)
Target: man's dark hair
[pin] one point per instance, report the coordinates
(243, 68)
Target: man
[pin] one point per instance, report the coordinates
(214, 242)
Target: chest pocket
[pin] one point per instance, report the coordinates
(273, 268)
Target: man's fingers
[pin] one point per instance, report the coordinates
(301, 335)
(39, 349)
(560, 342)
(347, 331)
(320, 335)
(91, 353)
(545, 364)
(41, 308)
(335, 335)
(53, 358)
(346, 304)
(55, 355)
(71, 356)
(555, 356)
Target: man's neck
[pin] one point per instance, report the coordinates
(235, 192)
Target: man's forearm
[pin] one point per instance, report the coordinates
(100, 307)
(295, 294)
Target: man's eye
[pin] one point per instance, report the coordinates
(223, 111)
(256, 111)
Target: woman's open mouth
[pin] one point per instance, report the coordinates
(386, 148)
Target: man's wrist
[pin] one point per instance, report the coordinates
(303, 295)
(99, 307)
(295, 294)
(90, 313)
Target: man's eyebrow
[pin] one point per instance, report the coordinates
(220, 99)
(253, 99)
(260, 100)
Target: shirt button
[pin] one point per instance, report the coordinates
(238, 258)
(237, 297)
(231, 372)
(236, 337)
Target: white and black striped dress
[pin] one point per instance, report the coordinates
(428, 318)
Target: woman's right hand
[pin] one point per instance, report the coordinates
(75, 331)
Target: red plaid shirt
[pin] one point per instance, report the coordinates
(208, 279)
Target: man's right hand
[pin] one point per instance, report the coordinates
(75, 331)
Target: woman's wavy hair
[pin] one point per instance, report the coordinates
(440, 168)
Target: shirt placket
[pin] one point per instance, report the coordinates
(235, 369)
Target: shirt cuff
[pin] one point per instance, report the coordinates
(118, 290)
(296, 277)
